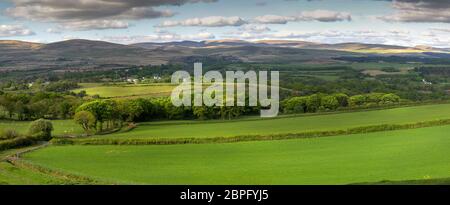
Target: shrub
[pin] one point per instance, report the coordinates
(390, 99)
(342, 99)
(41, 129)
(357, 100)
(15, 143)
(329, 102)
(295, 105)
(9, 134)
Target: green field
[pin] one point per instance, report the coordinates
(397, 155)
(288, 124)
(10, 174)
(61, 127)
(379, 65)
(127, 90)
(402, 156)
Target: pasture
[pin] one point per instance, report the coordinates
(61, 127)
(126, 90)
(283, 125)
(415, 154)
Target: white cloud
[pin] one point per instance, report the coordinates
(325, 16)
(251, 28)
(316, 15)
(54, 30)
(274, 19)
(390, 37)
(210, 21)
(160, 36)
(95, 25)
(14, 30)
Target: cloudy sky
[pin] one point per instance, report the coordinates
(399, 22)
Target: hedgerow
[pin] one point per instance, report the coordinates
(16, 142)
(244, 138)
(66, 177)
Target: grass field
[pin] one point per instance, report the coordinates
(415, 154)
(288, 124)
(61, 127)
(10, 174)
(130, 90)
(378, 65)
(126, 90)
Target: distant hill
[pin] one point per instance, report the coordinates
(75, 55)
(7, 45)
(351, 47)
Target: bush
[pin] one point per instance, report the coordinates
(390, 99)
(342, 99)
(41, 129)
(8, 134)
(15, 143)
(329, 102)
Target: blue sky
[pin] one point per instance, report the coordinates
(401, 22)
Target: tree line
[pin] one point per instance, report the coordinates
(329, 102)
(31, 106)
(96, 114)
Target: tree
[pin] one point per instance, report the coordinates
(329, 102)
(342, 99)
(295, 105)
(390, 99)
(64, 109)
(313, 103)
(374, 98)
(231, 112)
(41, 128)
(103, 110)
(86, 119)
(357, 100)
(201, 112)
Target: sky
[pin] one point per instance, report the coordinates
(394, 22)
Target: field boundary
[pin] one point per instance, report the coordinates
(437, 181)
(247, 138)
(294, 115)
(68, 178)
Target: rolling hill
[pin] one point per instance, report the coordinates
(80, 55)
(74, 55)
(351, 47)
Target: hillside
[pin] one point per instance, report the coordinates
(80, 55)
(75, 55)
(351, 47)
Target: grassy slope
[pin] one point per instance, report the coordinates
(61, 127)
(10, 174)
(291, 124)
(396, 156)
(128, 90)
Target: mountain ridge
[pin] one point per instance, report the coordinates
(81, 54)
